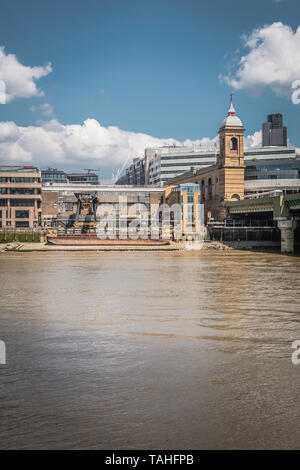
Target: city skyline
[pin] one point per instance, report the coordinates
(95, 84)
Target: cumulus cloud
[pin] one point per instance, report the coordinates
(45, 108)
(273, 60)
(77, 146)
(254, 140)
(20, 80)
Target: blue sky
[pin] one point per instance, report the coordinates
(149, 67)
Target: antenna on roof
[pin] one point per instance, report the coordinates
(92, 169)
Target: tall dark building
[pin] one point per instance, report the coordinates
(273, 132)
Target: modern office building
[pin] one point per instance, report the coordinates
(169, 162)
(135, 173)
(54, 176)
(273, 131)
(186, 196)
(20, 197)
(273, 171)
(162, 164)
(81, 178)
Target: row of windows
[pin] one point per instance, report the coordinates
(189, 164)
(272, 152)
(171, 172)
(22, 223)
(19, 179)
(19, 202)
(211, 155)
(18, 214)
(57, 177)
(295, 165)
(82, 178)
(18, 224)
(201, 156)
(270, 177)
(53, 176)
(20, 191)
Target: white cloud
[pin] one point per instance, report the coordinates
(45, 108)
(78, 146)
(254, 140)
(273, 60)
(20, 79)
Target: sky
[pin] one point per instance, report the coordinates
(91, 84)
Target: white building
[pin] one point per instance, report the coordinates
(169, 162)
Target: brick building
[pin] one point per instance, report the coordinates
(224, 181)
(20, 197)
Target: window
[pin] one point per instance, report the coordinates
(3, 202)
(210, 188)
(22, 179)
(203, 190)
(21, 191)
(3, 179)
(21, 202)
(233, 144)
(190, 212)
(22, 214)
(3, 190)
(22, 224)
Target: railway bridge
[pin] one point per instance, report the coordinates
(281, 210)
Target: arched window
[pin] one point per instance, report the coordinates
(233, 144)
(203, 190)
(209, 188)
(235, 197)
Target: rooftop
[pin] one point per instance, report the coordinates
(19, 169)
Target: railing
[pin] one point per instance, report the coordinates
(10, 234)
(263, 223)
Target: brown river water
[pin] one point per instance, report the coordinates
(145, 350)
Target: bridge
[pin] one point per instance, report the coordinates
(283, 210)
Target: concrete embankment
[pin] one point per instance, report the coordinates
(14, 246)
(208, 245)
(43, 247)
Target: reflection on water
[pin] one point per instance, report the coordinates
(149, 350)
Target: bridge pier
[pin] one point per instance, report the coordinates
(287, 228)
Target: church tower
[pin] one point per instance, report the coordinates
(231, 159)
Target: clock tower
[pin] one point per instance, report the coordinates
(231, 158)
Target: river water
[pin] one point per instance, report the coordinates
(145, 350)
